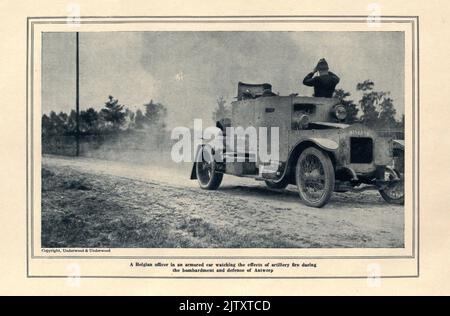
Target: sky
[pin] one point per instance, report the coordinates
(189, 71)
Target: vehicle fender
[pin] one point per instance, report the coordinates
(214, 138)
(193, 173)
(398, 155)
(324, 143)
(398, 143)
(216, 144)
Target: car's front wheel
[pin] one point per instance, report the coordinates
(314, 175)
(205, 167)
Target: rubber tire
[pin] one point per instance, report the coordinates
(214, 181)
(387, 198)
(280, 185)
(328, 172)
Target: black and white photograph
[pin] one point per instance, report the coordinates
(239, 149)
(223, 139)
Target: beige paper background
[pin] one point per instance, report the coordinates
(434, 169)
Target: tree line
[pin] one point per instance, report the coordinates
(375, 109)
(112, 118)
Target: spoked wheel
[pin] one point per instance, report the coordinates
(394, 193)
(278, 185)
(314, 175)
(207, 175)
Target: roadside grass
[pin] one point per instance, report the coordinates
(81, 210)
(77, 213)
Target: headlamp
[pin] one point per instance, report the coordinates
(340, 112)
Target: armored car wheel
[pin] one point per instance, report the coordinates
(205, 168)
(314, 175)
(278, 185)
(394, 193)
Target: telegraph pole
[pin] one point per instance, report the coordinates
(77, 95)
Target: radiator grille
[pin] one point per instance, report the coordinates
(361, 150)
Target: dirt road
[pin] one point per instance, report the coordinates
(88, 202)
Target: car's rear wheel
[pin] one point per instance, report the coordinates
(394, 193)
(278, 185)
(205, 167)
(314, 175)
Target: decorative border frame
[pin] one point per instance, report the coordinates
(31, 21)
